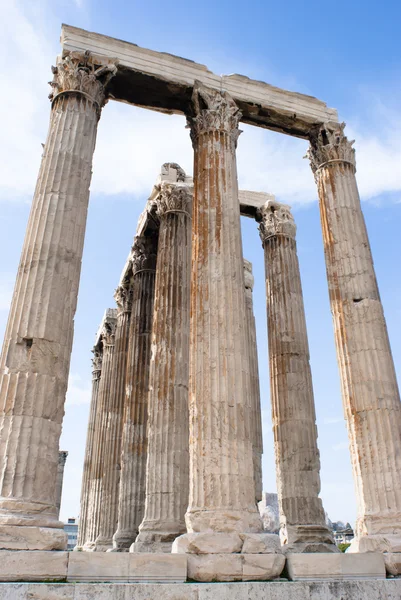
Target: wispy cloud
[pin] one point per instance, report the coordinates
(133, 143)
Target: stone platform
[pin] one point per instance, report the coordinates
(385, 589)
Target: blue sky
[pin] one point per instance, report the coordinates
(347, 54)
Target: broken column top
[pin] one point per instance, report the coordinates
(164, 82)
(109, 318)
(170, 172)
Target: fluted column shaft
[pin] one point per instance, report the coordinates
(105, 394)
(371, 398)
(114, 422)
(256, 414)
(302, 518)
(86, 487)
(62, 457)
(221, 466)
(167, 477)
(36, 353)
(134, 438)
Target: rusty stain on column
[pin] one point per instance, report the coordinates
(35, 360)
(114, 424)
(302, 519)
(134, 439)
(167, 478)
(371, 398)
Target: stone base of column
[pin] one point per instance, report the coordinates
(14, 537)
(235, 567)
(103, 544)
(151, 539)
(123, 540)
(307, 539)
(227, 543)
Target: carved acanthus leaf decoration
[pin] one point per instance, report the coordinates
(174, 198)
(144, 254)
(330, 145)
(214, 110)
(123, 297)
(275, 219)
(97, 360)
(109, 332)
(77, 72)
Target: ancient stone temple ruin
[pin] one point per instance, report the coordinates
(172, 471)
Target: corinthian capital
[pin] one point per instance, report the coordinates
(123, 298)
(109, 332)
(97, 361)
(275, 219)
(144, 254)
(330, 145)
(174, 198)
(79, 73)
(214, 110)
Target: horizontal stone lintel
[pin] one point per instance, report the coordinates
(164, 82)
(249, 201)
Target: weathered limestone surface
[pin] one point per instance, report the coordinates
(163, 81)
(222, 495)
(235, 567)
(302, 518)
(167, 476)
(313, 566)
(371, 589)
(87, 488)
(33, 566)
(256, 413)
(62, 457)
(134, 440)
(35, 358)
(111, 453)
(370, 393)
(97, 505)
(126, 567)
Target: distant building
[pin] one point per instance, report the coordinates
(343, 534)
(71, 528)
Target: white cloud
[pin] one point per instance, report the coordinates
(133, 143)
(78, 392)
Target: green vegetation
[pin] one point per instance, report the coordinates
(343, 547)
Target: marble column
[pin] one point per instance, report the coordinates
(86, 487)
(35, 359)
(256, 414)
(134, 438)
(221, 497)
(371, 398)
(98, 460)
(302, 518)
(167, 477)
(62, 457)
(114, 422)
